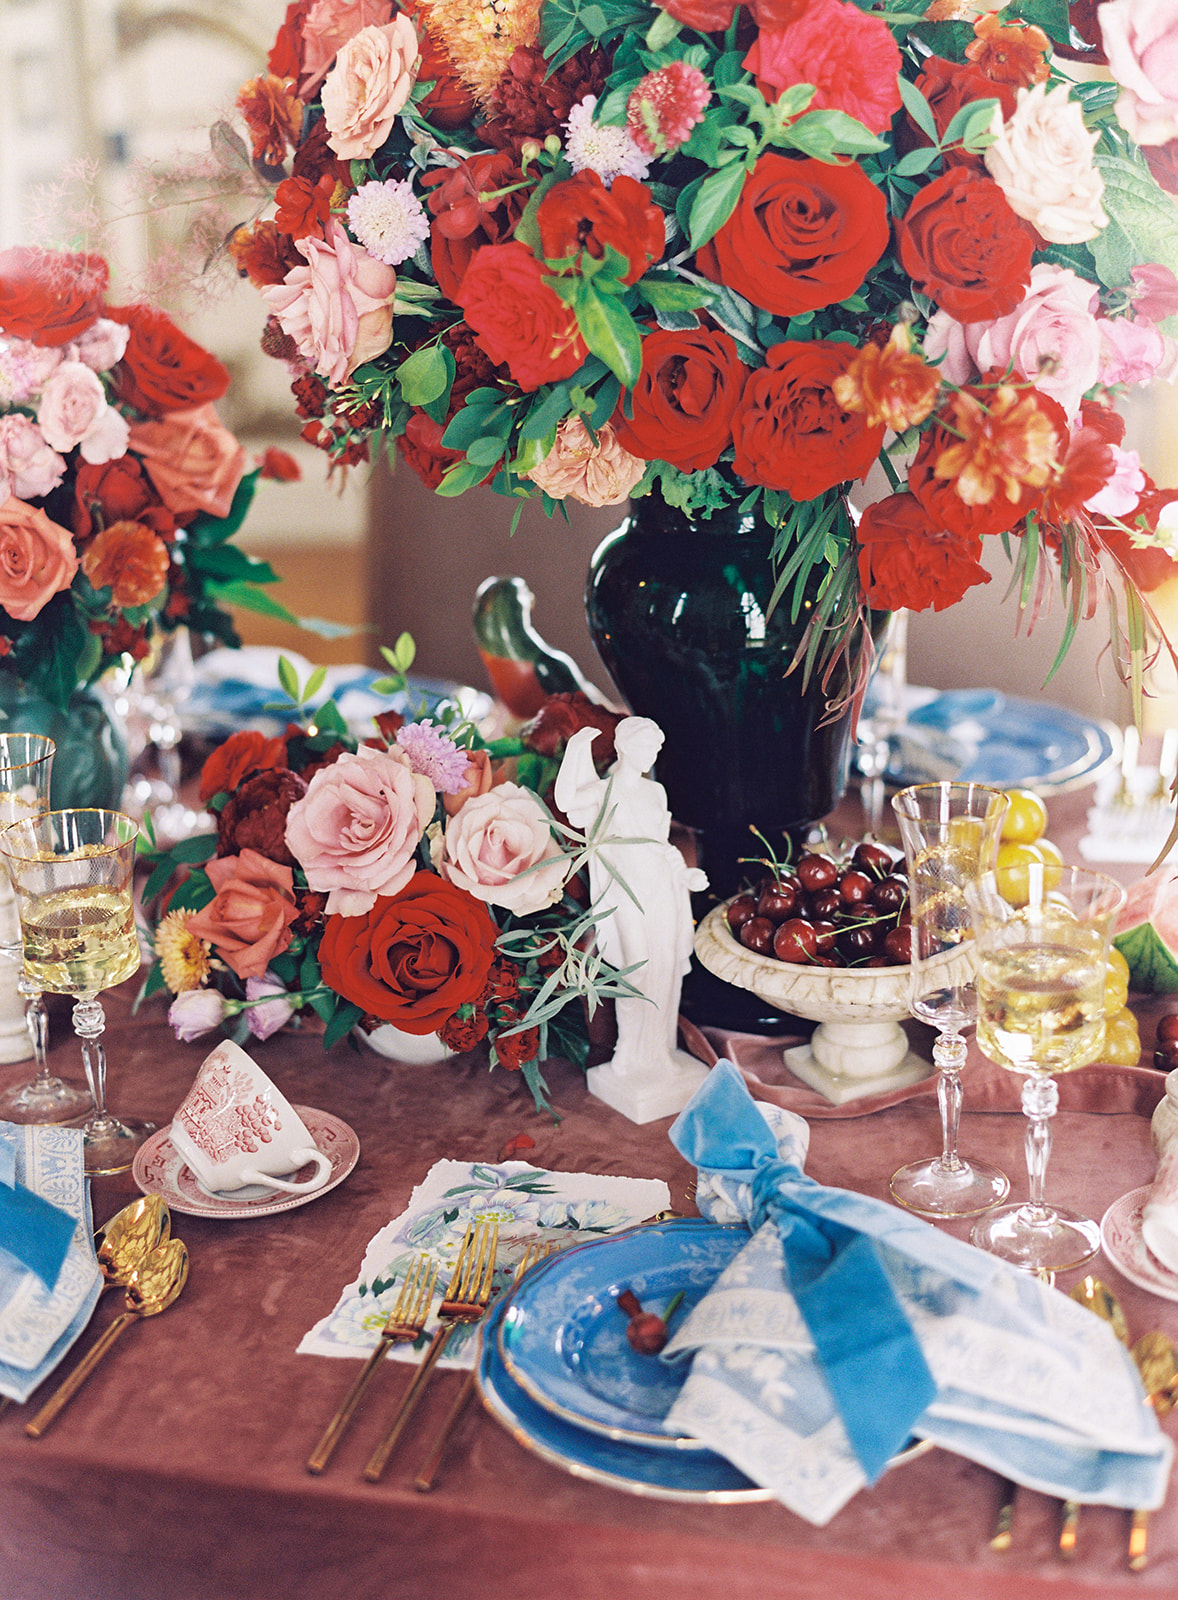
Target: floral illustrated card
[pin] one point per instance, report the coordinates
(528, 1203)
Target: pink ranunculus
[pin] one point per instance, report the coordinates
(1120, 494)
(102, 345)
(192, 459)
(248, 921)
(851, 59)
(480, 775)
(37, 559)
(194, 1012)
(1141, 42)
(338, 309)
(356, 830)
(1130, 351)
(28, 463)
(373, 77)
(327, 27)
(500, 849)
(601, 474)
(273, 1010)
(73, 410)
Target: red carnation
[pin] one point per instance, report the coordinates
(964, 247)
(242, 754)
(907, 562)
(513, 1049)
(517, 318)
(681, 407)
(851, 60)
(49, 296)
(464, 1029)
(532, 100)
(163, 369)
(421, 447)
(582, 214)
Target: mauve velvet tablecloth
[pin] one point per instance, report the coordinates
(178, 1472)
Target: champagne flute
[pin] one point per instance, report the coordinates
(950, 833)
(1042, 934)
(26, 761)
(72, 874)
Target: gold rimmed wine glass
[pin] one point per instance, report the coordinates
(26, 763)
(72, 874)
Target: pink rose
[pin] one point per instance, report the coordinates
(73, 410)
(102, 345)
(192, 459)
(1042, 160)
(27, 464)
(373, 76)
(500, 849)
(37, 559)
(24, 367)
(357, 828)
(1141, 43)
(248, 921)
(600, 474)
(479, 777)
(1130, 351)
(338, 309)
(328, 25)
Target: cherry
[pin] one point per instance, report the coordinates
(864, 939)
(889, 894)
(740, 910)
(1168, 1028)
(816, 871)
(757, 934)
(898, 945)
(795, 940)
(827, 932)
(855, 888)
(872, 858)
(777, 901)
(824, 903)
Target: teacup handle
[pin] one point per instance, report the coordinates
(300, 1158)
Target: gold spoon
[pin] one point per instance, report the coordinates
(152, 1286)
(129, 1235)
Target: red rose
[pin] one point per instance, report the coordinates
(163, 369)
(790, 432)
(804, 235)
(415, 957)
(49, 296)
(463, 221)
(681, 407)
(517, 319)
(241, 754)
(908, 563)
(709, 16)
(963, 245)
(254, 816)
(286, 53)
(582, 214)
(118, 491)
(421, 446)
(559, 718)
(947, 86)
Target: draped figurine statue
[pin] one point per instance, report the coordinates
(652, 924)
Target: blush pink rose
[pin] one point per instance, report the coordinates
(373, 77)
(192, 459)
(73, 410)
(338, 309)
(1042, 160)
(37, 559)
(500, 849)
(356, 830)
(601, 474)
(27, 464)
(24, 367)
(1141, 43)
(102, 345)
(248, 921)
(328, 25)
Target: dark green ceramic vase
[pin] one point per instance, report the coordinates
(90, 763)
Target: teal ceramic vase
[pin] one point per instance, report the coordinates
(90, 763)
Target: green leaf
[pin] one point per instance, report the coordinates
(345, 1019)
(662, 31)
(248, 598)
(288, 679)
(1143, 225)
(827, 135)
(463, 475)
(918, 108)
(610, 332)
(474, 422)
(426, 374)
(673, 294)
(546, 414)
(207, 530)
(484, 452)
(969, 123)
(714, 203)
(916, 161)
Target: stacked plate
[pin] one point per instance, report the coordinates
(555, 1367)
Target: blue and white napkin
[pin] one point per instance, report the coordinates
(49, 1274)
(846, 1326)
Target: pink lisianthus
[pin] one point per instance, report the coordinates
(273, 1010)
(576, 468)
(373, 77)
(1130, 351)
(665, 106)
(27, 465)
(1141, 42)
(1121, 493)
(1155, 294)
(37, 559)
(338, 309)
(356, 830)
(195, 1012)
(851, 59)
(192, 459)
(500, 849)
(73, 411)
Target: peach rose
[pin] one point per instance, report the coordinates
(372, 79)
(480, 775)
(1041, 159)
(37, 559)
(1141, 43)
(338, 309)
(500, 849)
(248, 921)
(192, 459)
(601, 474)
(73, 410)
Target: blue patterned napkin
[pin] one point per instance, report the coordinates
(847, 1325)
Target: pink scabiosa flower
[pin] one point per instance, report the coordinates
(665, 106)
(196, 1011)
(601, 147)
(388, 219)
(434, 755)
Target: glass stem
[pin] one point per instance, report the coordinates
(37, 1022)
(949, 1058)
(1040, 1099)
(89, 1024)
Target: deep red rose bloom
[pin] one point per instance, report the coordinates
(49, 296)
(804, 235)
(163, 369)
(709, 16)
(415, 957)
(463, 221)
(242, 754)
(962, 244)
(286, 53)
(907, 562)
(421, 447)
(582, 214)
(517, 318)
(254, 816)
(851, 60)
(683, 401)
(559, 718)
(944, 506)
(790, 432)
(947, 86)
(118, 491)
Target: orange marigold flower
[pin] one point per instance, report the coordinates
(890, 384)
(128, 559)
(274, 116)
(1009, 52)
(1005, 445)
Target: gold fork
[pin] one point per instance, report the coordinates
(405, 1322)
(465, 1300)
(424, 1481)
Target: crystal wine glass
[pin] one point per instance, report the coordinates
(26, 760)
(72, 874)
(1042, 934)
(950, 833)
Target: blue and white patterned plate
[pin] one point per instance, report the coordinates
(562, 1337)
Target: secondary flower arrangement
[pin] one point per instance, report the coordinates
(741, 253)
(417, 878)
(119, 485)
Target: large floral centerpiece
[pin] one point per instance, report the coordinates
(416, 877)
(740, 253)
(120, 487)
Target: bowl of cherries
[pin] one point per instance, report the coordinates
(828, 939)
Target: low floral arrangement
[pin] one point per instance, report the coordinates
(418, 878)
(739, 253)
(120, 487)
